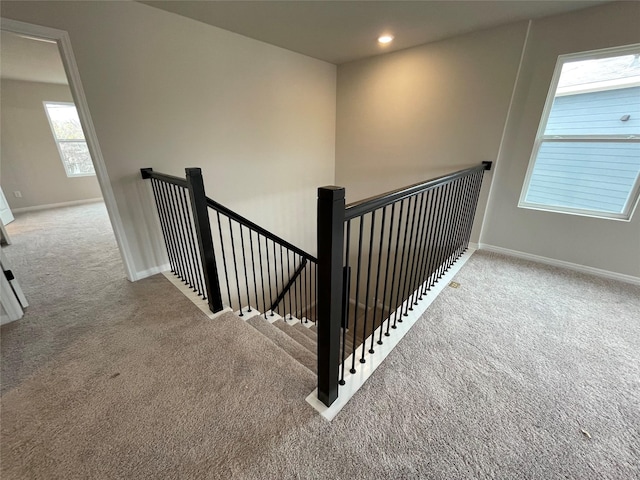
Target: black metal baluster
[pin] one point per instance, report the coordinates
(246, 273)
(427, 238)
(170, 223)
(475, 193)
(421, 245)
(386, 277)
(253, 267)
(266, 249)
(264, 302)
(181, 233)
(366, 295)
(297, 292)
(355, 308)
(309, 307)
(224, 260)
(469, 220)
(235, 266)
(394, 305)
(451, 211)
(177, 227)
(414, 249)
(443, 237)
(453, 258)
(454, 224)
(163, 224)
(467, 213)
(346, 292)
(438, 247)
(202, 288)
(294, 288)
(316, 291)
(406, 275)
(282, 278)
(474, 205)
(375, 300)
(299, 282)
(289, 275)
(463, 215)
(443, 232)
(194, 258)
(275, 273)
(449, 214)
(305, 312)
(185, 244)
(402, 273)
(458, 212)
(434, 239)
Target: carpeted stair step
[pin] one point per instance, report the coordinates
(285, 342)
(348, 340)
(298, 336)
(307, 331)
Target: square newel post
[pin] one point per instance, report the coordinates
(330, 265)
(205, 242)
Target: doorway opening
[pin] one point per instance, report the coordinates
(55, 64)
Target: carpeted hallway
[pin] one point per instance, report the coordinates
(524, 371)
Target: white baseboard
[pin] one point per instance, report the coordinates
(151, 271)
(203, 305)
(49, 206)
(561, 263)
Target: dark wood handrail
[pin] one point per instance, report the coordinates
(257, 228)
(149, 173)
(362, 207)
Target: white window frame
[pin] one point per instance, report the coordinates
(634, 194)
(58, 141)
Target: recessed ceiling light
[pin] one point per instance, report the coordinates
(385, 39)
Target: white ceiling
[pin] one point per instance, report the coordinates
(334, 31)
(30, 60)
(342, 31)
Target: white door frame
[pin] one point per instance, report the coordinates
(6, 216)
(61, 37)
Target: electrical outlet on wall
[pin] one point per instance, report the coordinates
(17, 194)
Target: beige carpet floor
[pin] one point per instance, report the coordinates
(522, 372)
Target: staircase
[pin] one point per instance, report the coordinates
(376, 260)
(297, 338)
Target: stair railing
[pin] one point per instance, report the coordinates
(262, 269)
(181, 204)
(246, 267)
(398, 245)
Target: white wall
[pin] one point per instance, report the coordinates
(168, 92)
(604, 244)
(415, 114)
(31, 163)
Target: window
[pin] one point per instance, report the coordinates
(586, 157)
(67, 132)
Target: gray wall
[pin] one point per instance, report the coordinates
(418, 113)
(168, 92)
(605, 244)
(31, 163)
